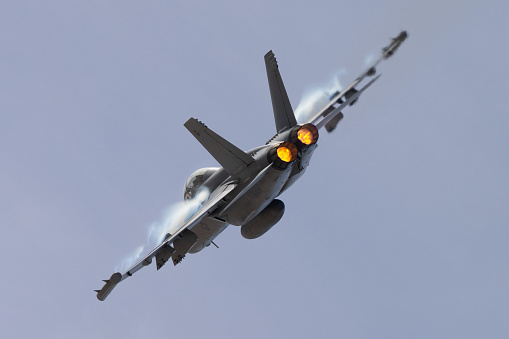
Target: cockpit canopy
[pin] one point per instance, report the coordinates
(196, 180)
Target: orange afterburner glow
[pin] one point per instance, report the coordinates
(307, 134)
(284, 154)
(287, 152)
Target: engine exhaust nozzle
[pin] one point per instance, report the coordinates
(283, 154)
(305, 135)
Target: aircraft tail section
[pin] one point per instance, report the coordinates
(283, 112)
(232, 158)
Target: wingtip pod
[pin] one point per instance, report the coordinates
(389, 50)
(109, 286)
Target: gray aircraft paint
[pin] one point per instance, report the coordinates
(242, 192)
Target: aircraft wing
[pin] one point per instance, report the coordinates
(321, 120)
(331, 114)
(165, 249)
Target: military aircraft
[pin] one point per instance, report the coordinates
(244, 189)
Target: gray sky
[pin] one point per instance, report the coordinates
(398, 229)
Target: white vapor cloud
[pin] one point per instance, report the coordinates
(369, 59)
(130, 260)
(176, 215)
(173, 218)
(314, 98)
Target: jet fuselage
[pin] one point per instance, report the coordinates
(259, 184)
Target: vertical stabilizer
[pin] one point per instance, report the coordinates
(283, 112)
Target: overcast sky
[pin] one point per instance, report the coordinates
(399, 229)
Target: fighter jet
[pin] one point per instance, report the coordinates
(244, 190)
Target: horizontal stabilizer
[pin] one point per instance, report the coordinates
(227, 155)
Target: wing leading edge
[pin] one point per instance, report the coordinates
(164, 250)
(331, 114)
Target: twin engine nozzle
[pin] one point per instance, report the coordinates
(300, 138)
(305, 135)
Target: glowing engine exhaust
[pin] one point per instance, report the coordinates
(283, 154)
(305, 135)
